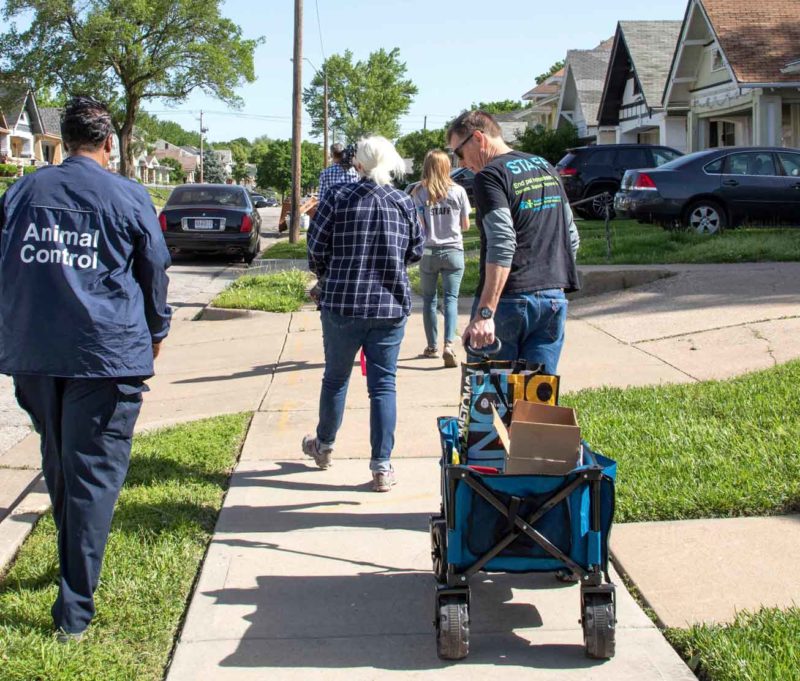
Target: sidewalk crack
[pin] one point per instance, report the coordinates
(276, 364)
(636, 347)
(760, 336)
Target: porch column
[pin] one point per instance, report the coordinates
(767, 121)
(673, 132)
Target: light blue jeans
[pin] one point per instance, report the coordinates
(449, 263)
(342, 337)
(531, 326)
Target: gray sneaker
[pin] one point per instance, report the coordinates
(319, 452)
(449, 356)
(383, 481)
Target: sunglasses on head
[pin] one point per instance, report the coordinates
(457, 151)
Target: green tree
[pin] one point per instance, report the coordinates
(258, 149)
(418, 143)
(213, 170)
(365, 97)
(154, 129)
(275, 167)
(239, 172)
(501, 106)
(176, 173)
(128, 52)
(549, 144)
(544, 76)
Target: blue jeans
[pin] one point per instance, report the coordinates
(342, 337)
(530, 326)
(449, 262)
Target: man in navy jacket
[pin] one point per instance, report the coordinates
(83, 311)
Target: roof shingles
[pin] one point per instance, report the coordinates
(758, 39)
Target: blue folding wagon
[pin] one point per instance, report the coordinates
(493, 522)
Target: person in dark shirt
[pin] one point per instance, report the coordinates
(83, 312)
(528, 245)
(362, 238)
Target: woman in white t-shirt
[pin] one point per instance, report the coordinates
(443, 209)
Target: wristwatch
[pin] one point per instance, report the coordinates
(485, 313)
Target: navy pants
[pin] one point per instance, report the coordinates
(86, 425)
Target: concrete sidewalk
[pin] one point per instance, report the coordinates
(310, 575)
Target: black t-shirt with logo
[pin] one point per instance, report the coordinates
(528, 186)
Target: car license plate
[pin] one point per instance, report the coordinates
(204, 224)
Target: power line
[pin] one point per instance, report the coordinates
(319, 26)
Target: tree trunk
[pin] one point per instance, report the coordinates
(127, 167)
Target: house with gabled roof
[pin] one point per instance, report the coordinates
(634, 85)
(544, 100)
(735, 73)
(581, 91)
(28, 134)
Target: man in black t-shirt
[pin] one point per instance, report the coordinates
(528, 245)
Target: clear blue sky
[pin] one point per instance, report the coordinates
(456, 52)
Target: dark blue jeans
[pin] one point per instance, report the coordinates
(531, 326)
(342, 337)
(86, 426)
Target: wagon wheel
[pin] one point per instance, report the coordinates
(599, 622)
(452, 628)
(439, 550)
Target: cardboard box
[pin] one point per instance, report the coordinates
(542, 440)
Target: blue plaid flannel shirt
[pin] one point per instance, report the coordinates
(335, 174)
(359, 243)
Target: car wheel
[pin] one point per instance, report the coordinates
(705, 217)
(250, 255)
(597, 206)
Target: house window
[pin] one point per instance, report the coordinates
(717, 64)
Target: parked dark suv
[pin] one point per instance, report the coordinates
(598, 170)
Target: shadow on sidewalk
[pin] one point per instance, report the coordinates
(384, 620)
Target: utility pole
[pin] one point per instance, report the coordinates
(201, 146)
(425, 122)
(294, 229)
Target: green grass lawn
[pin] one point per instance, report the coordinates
(159, 196)
(761, 646)
(711, 449)
(286, 251)
(636, 244)
(163, 523)
(705, 450)
(278, 292)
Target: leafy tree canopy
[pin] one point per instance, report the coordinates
(418, 143)
(155, 129)
(364, 97)
(544, 76)
(127, 52)
(275, 168)
(501, 106)
(549, 144)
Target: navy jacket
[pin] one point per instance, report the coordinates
(83, 283)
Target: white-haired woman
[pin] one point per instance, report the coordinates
(360, 243)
